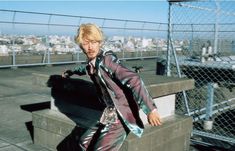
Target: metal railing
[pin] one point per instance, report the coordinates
(123, 36)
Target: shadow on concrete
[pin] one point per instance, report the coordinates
(71, 141)
(209, 144)
(29, 126)
(200, 147)
(77, 99)
(32, 108)
(36, 106)
(78, 92)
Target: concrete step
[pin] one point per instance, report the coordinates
(57, 131)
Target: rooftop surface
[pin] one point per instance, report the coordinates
(19, 97)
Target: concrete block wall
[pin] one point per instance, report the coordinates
(173, 135)
(55, 130)
(51, 128)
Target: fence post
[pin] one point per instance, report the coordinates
(210, 100)
(13, 55)
(168, 41)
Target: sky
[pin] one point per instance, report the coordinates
(150, 11)
(154, 11)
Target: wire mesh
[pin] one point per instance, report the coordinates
(202, 35)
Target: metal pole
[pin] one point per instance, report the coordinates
(216, 27)
(168, 40)
(123, 53)
(191, 41)
(13, 42)
(141, 50)
(180, 75)
(78, 54)
(210, 100)
(47, 43)
(169, 48)
(13, 53)
(48, 51)
(13, 19)
(49, 21)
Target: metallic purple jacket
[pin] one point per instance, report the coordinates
(125, 87)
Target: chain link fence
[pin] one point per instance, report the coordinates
(202, 47)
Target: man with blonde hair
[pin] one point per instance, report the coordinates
(120, 90)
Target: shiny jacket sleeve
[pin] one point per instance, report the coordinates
(131, 80)
(81, 70)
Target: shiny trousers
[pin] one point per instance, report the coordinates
(103, 137)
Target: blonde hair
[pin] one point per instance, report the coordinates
(90, 32)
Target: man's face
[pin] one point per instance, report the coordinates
(91, 48)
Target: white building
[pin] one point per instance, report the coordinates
(3, 50)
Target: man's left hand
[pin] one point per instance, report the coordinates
(154, 118)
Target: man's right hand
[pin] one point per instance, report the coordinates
(154, 118)
(67, 73)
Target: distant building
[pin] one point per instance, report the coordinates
(146, 42)
(3, 50)
(4, 41)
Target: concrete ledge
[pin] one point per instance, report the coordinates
(52, 128)
(157, 85)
